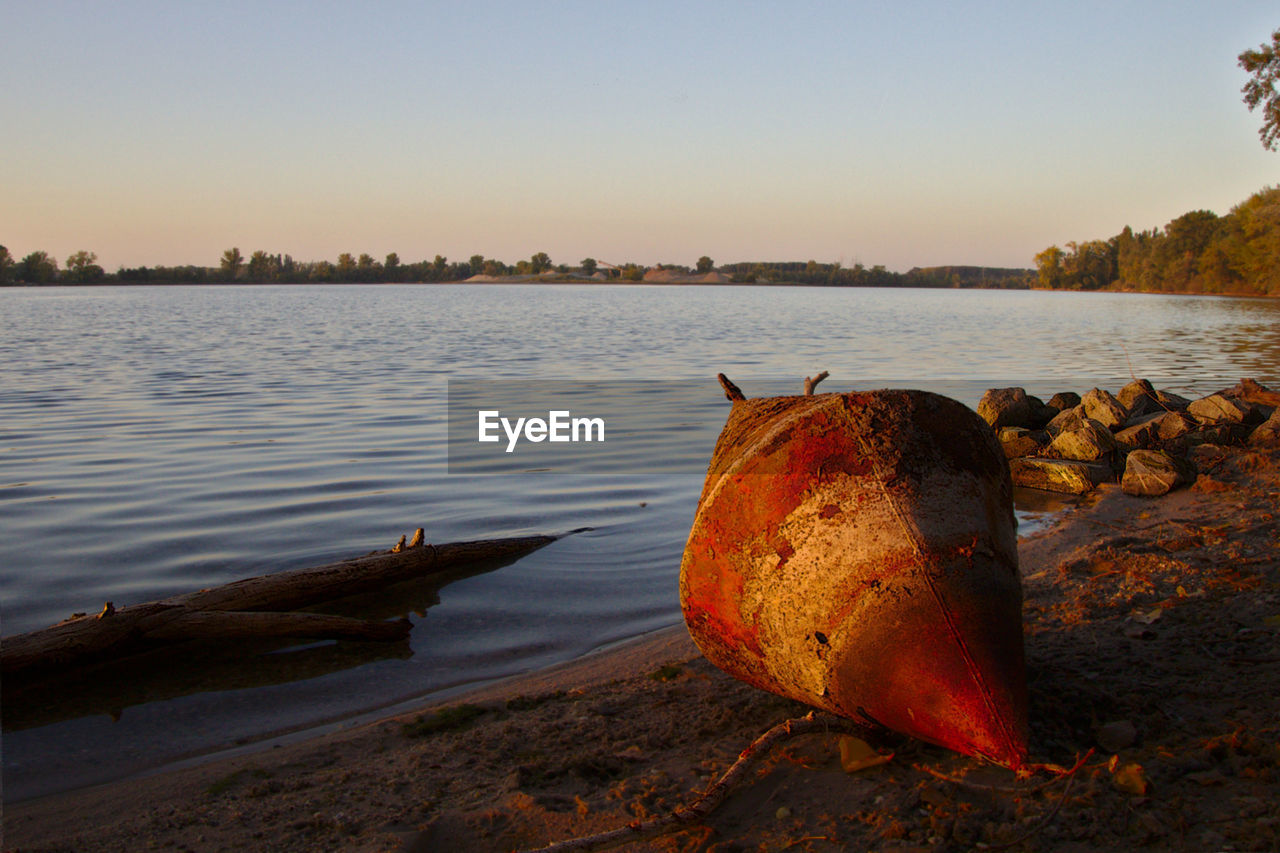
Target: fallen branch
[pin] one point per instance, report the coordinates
(251, 607)
(811, 382)
(709, 799)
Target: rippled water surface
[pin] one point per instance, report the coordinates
(154, 440)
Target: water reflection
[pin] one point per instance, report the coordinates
(207, 666)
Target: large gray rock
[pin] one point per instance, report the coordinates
(1104, 408)
(1089, 442)
(1218, 409)
(1005, 407)
(1154, 472)
(1059, 475)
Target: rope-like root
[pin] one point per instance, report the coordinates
(1059, 773)
(711, 798)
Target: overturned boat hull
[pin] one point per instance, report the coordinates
(858, 552)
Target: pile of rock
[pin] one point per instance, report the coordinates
(1145, 437)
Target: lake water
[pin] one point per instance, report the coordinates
(158, 440)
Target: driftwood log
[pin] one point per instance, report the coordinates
(263, 606)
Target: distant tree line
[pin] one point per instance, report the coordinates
(262, 267)
(837, 275)
(1199, 252)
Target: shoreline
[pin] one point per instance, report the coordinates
(621, 282)
(1151, 638)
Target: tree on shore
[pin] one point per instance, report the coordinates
(37, 268)
(83, 267)
(6, 266)
(539, 263)
(262, 267)
(391, 269)
(589, 266)
(1264, 65)
(705, 264)
(232, 260)
(1198, 252)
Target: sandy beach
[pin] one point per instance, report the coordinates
(1151, 631)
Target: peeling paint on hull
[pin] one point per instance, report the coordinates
(858, 552)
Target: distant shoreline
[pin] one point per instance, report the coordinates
(583, 282)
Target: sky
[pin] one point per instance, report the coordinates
(898, 133)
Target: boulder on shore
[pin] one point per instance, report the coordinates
(1138, 398)
(1268, 432)
(1064, 400)
(1171, 425)
(1089, 442)
(1142, 432)
(1152, 473)
(1059, 475)
(1041, 412)
(1005, 407)
(1067, 419)
(1219, 409)
(1019, 441)
(1104, 408)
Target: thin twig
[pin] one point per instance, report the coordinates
(709, 799)
(1058, 773)
(1042, 824)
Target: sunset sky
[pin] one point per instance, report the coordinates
(895, 133)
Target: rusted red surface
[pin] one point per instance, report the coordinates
(858, 552)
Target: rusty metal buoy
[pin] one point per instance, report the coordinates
(858, 552)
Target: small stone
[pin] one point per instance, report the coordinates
(1117, 735)
(782, 813)
(1131, 779)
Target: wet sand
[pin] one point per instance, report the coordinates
(1151, 630)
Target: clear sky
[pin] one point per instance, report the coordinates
(900, 133)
